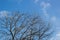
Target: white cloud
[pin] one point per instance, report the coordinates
(56, 22)
(56, 37)
(52, 38)
(3, 13)
(53, 18)
(58, 34)
(45, 6)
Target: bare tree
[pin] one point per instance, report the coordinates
(23, 27)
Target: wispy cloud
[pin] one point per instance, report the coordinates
(56, 22)
(45, 6)
(53, 18)
(3, 13)
(57, 37)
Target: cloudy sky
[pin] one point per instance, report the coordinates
(49, 9)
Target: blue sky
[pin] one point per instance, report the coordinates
(49, 9)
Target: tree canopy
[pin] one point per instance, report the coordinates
(24, 27)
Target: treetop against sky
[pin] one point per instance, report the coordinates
(49, 9)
